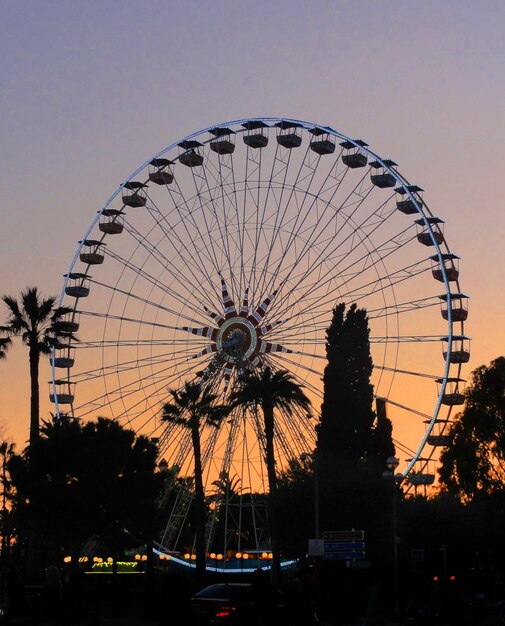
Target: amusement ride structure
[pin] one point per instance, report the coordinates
(226, 252)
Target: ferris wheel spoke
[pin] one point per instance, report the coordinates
(377, 285)
(166, 265)
(296, 230)
(122, 392)
(408, 372)
(128, 343)
(251, 194)
(409, 409)
(186, 273)
(157, 284)
(201, 185)
(381, 284)
(404, 449)
(180, 202)
(362, 263)
(292, 438)
(293, 366)
(406, 339)
(274, 190)
(404, 307)
(359, 265)
(333, 211)
(170, 233)
(156, 305)
(226, 175)
(281, 205)
(133, 365)
(136, 321)
(153, 248)
(211, 204)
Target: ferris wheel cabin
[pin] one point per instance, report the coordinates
(323, 144)
(453, 394)
(460, 349)
(63, 358)
(449, 265)
(67, 323)
(407, 205)
(111, 222)
(191, 155)
(353, 157)
(77, 285)
(289, 135)
(135, 195)
(65, 392)
(430, 230)
(383, 178)
(223, 142)
(160, 171)
(457, 303)
(439, 437)
(92, 254)
(255, 136)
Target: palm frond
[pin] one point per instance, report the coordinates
(30, 302)
(12, 305)
(46, 307)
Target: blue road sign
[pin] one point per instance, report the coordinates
(344, 535)
(344, 545)
(345, 556)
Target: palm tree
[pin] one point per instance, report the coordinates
(192, 407)
(30, 319)
(271, 391)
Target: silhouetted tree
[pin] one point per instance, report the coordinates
(192, 407)
(347, 415)
(474, 463)
(96, 478)
(6, 452)
(31, 319)
(295, 502)
(353, 442)
(271, 392)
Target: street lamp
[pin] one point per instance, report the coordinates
(392, 463)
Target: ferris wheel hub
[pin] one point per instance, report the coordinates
(236, 339)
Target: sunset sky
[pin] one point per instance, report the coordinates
(91, 89)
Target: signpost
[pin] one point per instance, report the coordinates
(346, 545)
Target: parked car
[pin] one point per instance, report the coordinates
(238, 604)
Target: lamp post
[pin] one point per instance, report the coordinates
(392, 463)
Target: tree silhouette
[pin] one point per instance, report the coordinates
(6, 452)
(96, 478)
(353, 442)
(474, 463)
(193, 407)
(347, 416)
(271, 391)
(31, 319)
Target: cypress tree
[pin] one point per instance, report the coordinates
(347, 415)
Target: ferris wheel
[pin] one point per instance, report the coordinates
(229, 249)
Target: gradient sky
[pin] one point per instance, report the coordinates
(91, 89)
